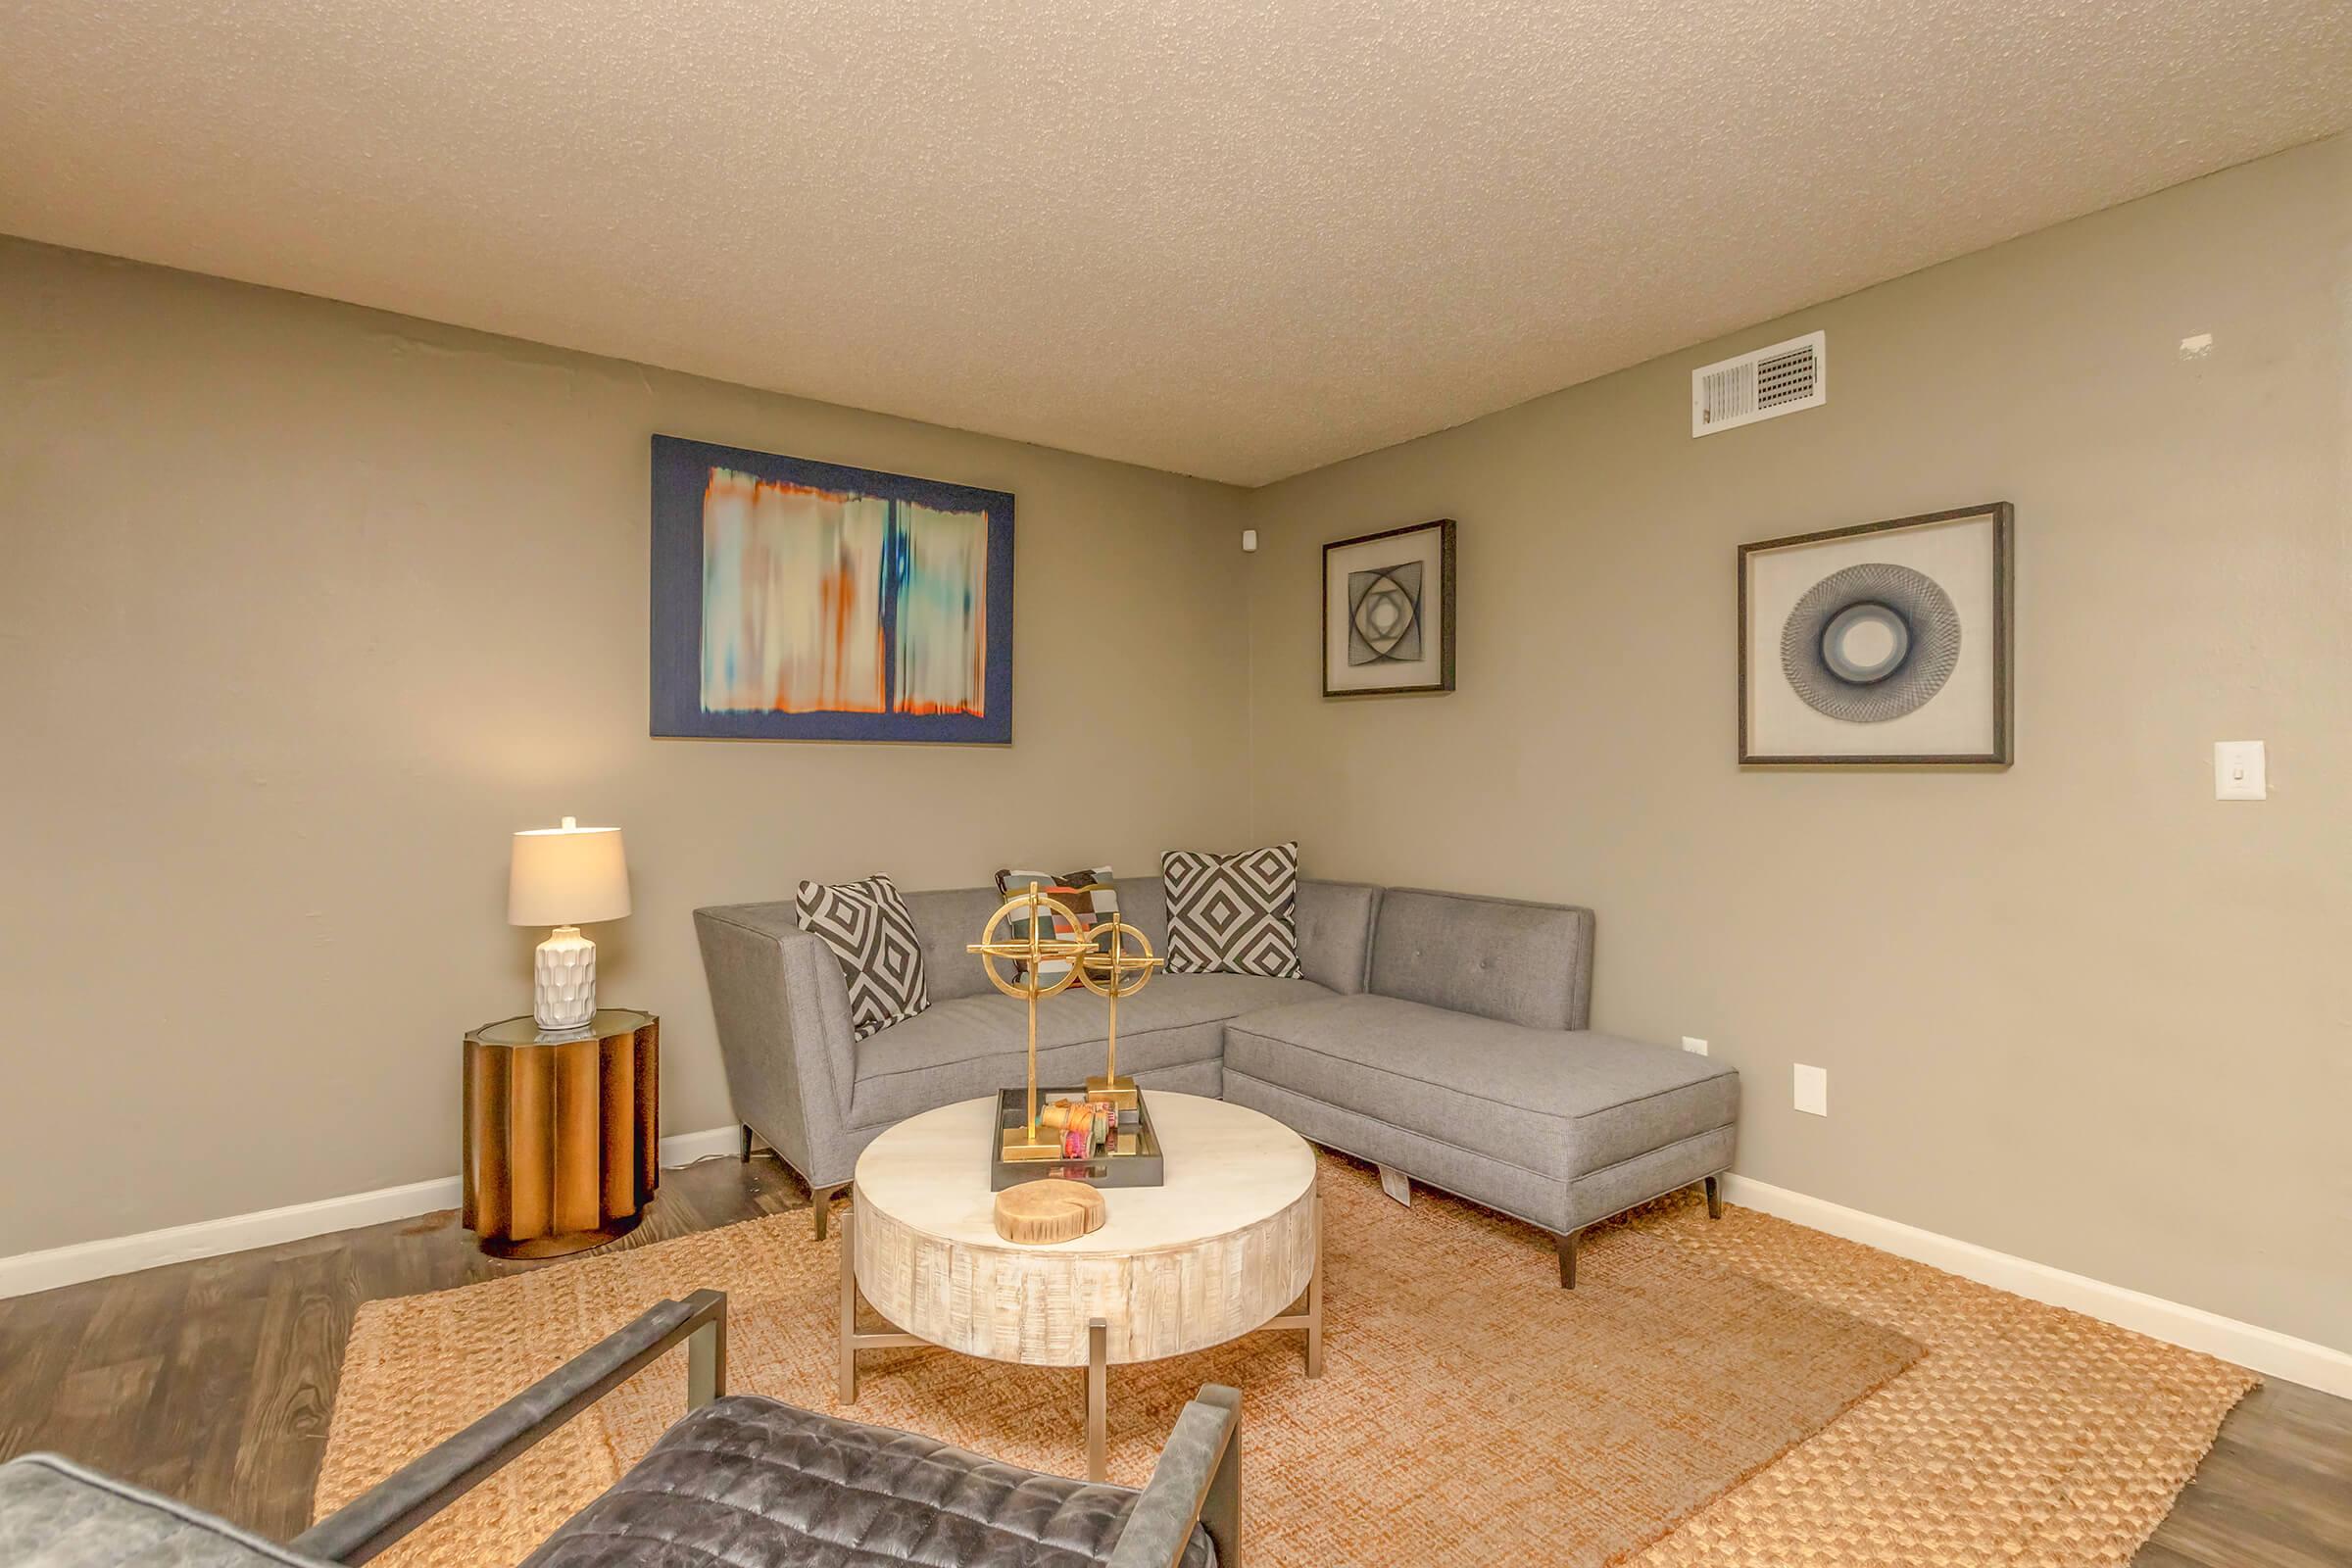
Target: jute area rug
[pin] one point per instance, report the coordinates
(1745, 1380)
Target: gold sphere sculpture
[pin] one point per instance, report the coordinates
(1031, 950)
(1108, 968)
(1110, 971)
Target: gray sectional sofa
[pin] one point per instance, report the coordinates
(1437, 1034)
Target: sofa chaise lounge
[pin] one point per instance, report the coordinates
(1438, 1035)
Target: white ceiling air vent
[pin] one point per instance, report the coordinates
(1781, 379)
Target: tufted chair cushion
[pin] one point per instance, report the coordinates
(749, 1483)
(55, 1514)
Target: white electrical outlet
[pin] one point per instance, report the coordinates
(1813, 1090)
(1696, 1047)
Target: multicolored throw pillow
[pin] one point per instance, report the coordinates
(1089, 894)
(871, 932)
(1232, 914)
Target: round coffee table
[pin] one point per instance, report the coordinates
(1220, 1251)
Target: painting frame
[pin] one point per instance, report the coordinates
(2000, 516)
(681, 474)
(1443, 556)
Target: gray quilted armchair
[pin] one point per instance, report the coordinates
(746, 1480)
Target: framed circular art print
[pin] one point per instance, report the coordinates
(1887, 643)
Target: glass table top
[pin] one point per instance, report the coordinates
(525, 1030)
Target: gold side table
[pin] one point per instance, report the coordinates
(561, 1132)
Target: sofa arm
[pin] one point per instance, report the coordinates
(783, 1015)
(447, 1471)
(1196, 1480)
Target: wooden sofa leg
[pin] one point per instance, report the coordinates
(1565, 1243)
(821, 1198)
(747, 1143)
(1714, 1198)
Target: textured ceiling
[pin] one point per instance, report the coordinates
(1224, 237)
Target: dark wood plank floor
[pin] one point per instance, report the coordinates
(212, 1381)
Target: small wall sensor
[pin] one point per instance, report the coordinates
(1248, 540)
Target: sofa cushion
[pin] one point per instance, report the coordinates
(1526, 963)
(1090, 895)
(750, 1481)
(870, 930)
(945, 920)
(1334, 930)
(1559, 1103)
(1335, 933)
(976, 1045)
(1232, 914)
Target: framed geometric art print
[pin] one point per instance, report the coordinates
(1886, 643)
(1388, 612)
(795, 600)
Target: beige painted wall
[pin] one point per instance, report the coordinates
(275, 694)
(2077, 1010)
(307, 608)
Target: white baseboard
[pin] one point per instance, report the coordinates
(27, 1272)
(2265, 1351)
(684, 1148)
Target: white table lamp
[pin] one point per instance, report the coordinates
(566, 877)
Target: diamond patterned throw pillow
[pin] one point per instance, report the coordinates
(1232, 914)
(867, 926)
(1090, 895)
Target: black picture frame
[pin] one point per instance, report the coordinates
(2003, 515)
(1445, 610)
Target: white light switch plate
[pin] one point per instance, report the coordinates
(1696, 1047)
(1813, 1090)
(2240, 771)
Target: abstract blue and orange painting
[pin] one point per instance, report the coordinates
(795, 600)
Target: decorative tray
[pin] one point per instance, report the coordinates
(1132, 1159)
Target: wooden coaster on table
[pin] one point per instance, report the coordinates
(1039, 1212)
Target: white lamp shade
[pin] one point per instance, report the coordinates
(568, 876)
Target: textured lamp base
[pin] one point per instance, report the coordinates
(563, 980)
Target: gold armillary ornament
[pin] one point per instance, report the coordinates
(1032, 948)
(1122, 973)
(1110, 972)
(1033, 951)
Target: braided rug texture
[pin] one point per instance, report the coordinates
(1745, 1380)
(2027, 1436)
